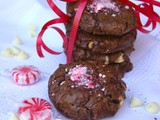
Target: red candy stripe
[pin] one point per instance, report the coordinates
(40, 43)
(145, 7)
(25, 75)
(63, 19)
(35, 109)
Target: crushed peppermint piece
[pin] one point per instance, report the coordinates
(82, 76)
(113, 15)
(53, 94)
(100, 75)
(66, 69)
(103, 89)
(103, 76)
(127, 7)
(102, 5)
(72, 86)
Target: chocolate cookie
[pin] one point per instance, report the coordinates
(104, 43)
(85, 91)
(104, 17)
(123, 67)
(80, 54)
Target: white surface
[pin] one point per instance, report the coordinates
(16, 16)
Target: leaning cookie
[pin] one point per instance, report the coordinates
(85, 91)
(80, 54)
(104, 17)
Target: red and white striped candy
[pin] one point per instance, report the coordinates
(25, 75)
(35, 109)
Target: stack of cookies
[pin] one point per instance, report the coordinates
(90, 87)
(106, 33)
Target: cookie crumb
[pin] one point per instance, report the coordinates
(32, 31)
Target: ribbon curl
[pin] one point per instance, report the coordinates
(146, 7)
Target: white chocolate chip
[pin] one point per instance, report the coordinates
(90, 45)
(15, 50)
(32, 34)
(32, 27)
(120, 59)
(17, 41)
(121, 100)
(135, 102)
(32, 31)
(62, 83)
(13, 116)
(106, 60)
(23, 55)
(152, 107)
(7, 53)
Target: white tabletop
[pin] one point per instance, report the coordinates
(16, 17)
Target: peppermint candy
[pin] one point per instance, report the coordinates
(25, 75)
(35, 109)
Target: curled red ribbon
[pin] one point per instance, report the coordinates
(146, 7)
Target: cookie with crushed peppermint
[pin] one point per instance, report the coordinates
(104, 17)
(86, 91)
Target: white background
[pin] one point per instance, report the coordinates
(16, 17)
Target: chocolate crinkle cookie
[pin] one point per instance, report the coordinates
(80, 54)
(103, 43)
(85, 91)
(104, 17)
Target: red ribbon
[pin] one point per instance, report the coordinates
(145, 8)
